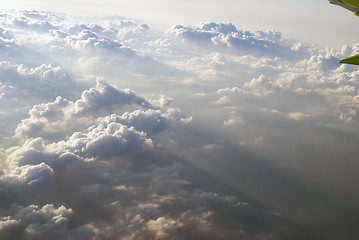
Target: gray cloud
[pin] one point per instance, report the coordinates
(34, 222)
(113, 169)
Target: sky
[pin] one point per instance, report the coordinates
(309, 21)
(178, 120)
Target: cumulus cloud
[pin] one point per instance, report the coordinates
(88, 39)
(110, 166)
(106, 141)
(244, 113)
(34, 222)
(100, 160)
(40, 80)
(225, 36)
(104, 104)
(105, 155)
(315, 78)
(94, 47)
(21, 87)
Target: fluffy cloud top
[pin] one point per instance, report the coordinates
(33, 222)
(103, 155)
(102, 104)
(226, 37)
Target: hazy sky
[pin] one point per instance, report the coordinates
(178, 120)
(312, 21)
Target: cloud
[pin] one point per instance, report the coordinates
(110, 167)
(21, 87)
(104, 104)
(106, 162)
(222, 101)
(317, 77)
(23, 180)
(211, 147)
(33, 175)
(135, 33)
(162, 227)
(34, 222)
(94, 47)
(297, 116)
(43, 79)
(261, 85)
(5, 35)
(150, 121)
(107, 141)
(88, 39)
(225, 36)
(233, 121)
(107, 96)
(33, 24)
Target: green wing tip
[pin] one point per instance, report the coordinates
(351, 60)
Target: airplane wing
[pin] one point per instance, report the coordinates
(351, 5)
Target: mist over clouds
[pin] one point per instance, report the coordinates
(110, 130)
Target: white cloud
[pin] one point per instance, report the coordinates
(21, 87)
(297, 116)
(162, 227)
(226, 37)
(222, 100)
(233, 121)
(5, 35)
(107, 141)
(33, 175)
(102, 104)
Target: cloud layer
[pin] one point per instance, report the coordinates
(226, 133)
